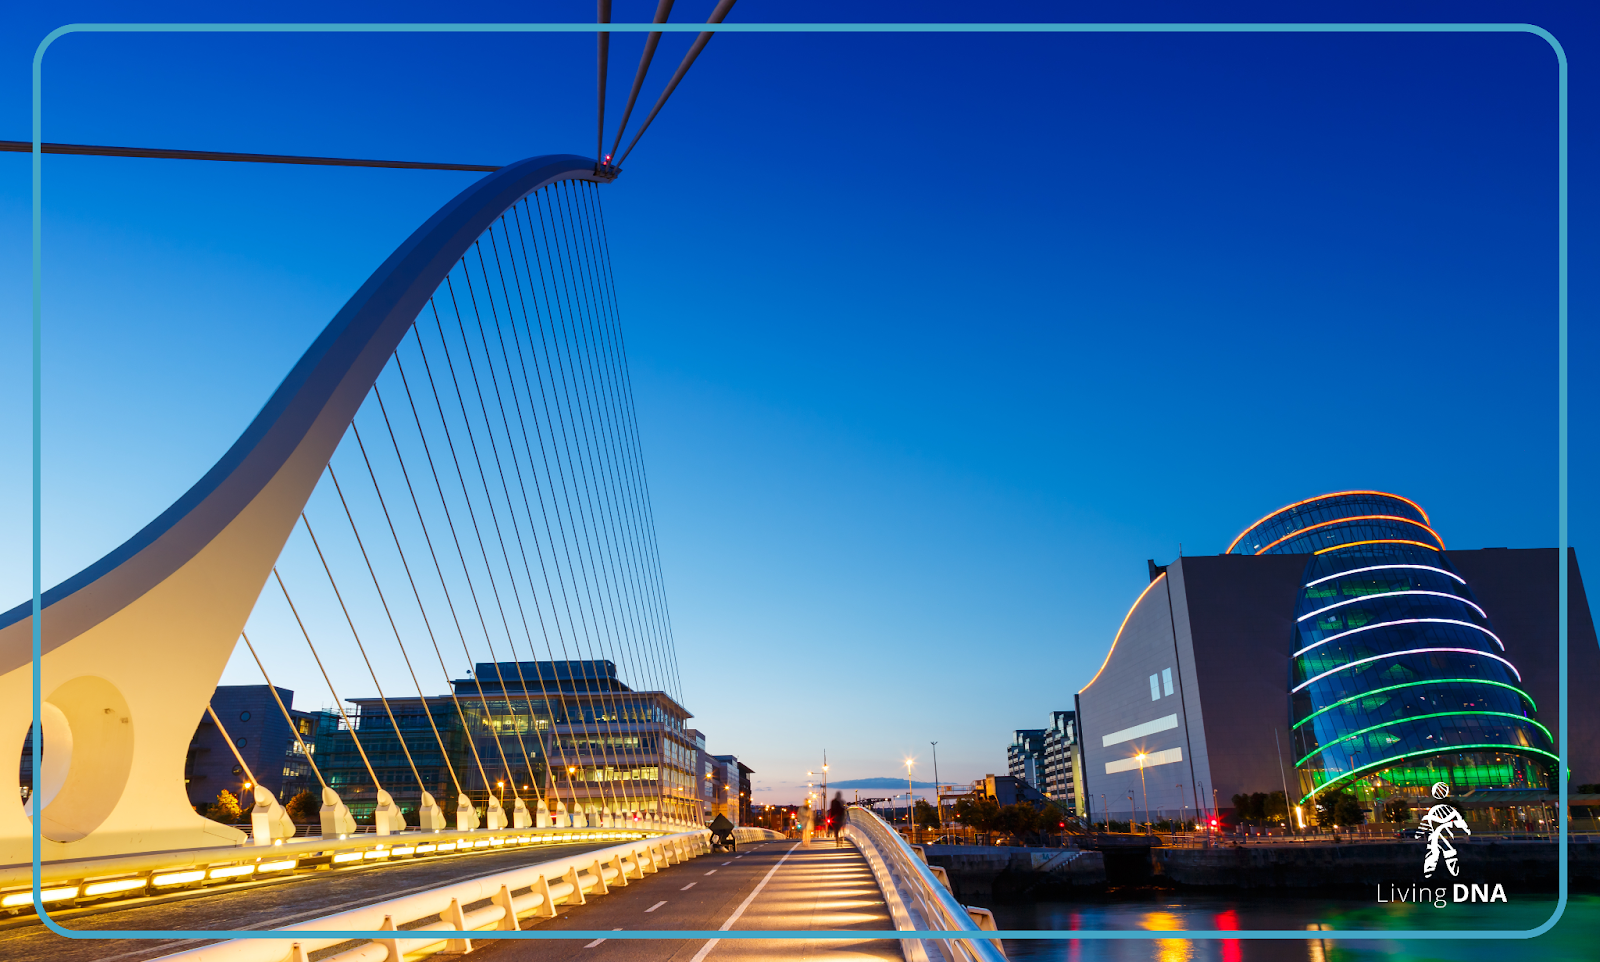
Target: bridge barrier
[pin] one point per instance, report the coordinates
(533, 890)
(71, 881)
(745, 833)
(918, 898)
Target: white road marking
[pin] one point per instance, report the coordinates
(598, 941)
(711, 943)
(712, 872)
(727, 863)
(656, 906)
(688, 887)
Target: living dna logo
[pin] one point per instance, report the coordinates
(1438, 827)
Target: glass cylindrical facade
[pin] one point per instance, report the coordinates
(1397, 679)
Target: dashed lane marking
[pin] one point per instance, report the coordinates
(598, 941)
(688, 887)
(656, 906)
(712, 872)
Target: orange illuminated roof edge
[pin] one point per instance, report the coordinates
(1124, 624)
(1360, 517)
(1336, 494)
(1352, 544)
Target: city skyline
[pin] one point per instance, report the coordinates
(1232, 273)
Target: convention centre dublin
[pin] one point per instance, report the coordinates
(1337, 645)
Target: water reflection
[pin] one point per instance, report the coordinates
(1573, 937)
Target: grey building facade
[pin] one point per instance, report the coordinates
(1025, 756)
(1192, 703)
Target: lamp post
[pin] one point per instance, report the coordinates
(1146, 794)
(938, 798)
(1105, 810)
(911, 821)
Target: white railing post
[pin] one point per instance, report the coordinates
(456, 919)
(508, 922)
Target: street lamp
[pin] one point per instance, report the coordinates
(938, 797)
(1146, 794)
(911, 822)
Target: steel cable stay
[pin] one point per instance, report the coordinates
(466, 812)
(558, 472)
(293, 728)
(663, 8)
(563, 467)
(488, 423)
(428, 805)
(344, 823)
(268, 818)
(477, 456)
(522, 363)
(564, 333)
(606, 470)
(607, 569)
(623, 661)
(651, 588)
(387, 814)
(497, 818)
(723, 6)
(521, 814)
(631, 410)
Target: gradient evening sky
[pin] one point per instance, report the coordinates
(935, 338)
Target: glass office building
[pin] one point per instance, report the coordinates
(1397, 678)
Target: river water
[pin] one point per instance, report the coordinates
(1575, 936)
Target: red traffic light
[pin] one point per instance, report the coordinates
(1213, 823)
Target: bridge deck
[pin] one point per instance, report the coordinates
(822, 887)
(766, 886)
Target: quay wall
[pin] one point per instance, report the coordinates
(1326, 864)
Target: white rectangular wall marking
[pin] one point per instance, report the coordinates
(1166, 680)
(1138, 731)
(1155, 689)
(1150, 761)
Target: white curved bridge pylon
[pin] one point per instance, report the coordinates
(134, 645)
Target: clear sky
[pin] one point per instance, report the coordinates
(936, 339)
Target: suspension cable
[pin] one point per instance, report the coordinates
(723, 6)
(421, 786)
(428, 540)
(293, 728)
(427, 713)
(336, 701)
(663, 8)
(231, 746)
(483, 407)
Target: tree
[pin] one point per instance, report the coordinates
(925, 815)
(1051, 819)
(1339, 808)
(1018, 818)
(226, 809)
(304, 807)
(1396, 810)
(977, 813)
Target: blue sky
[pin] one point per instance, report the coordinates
(935, 338)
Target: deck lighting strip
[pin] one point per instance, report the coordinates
(178, 878)
(1356, 544)
(1412, 684)
(1437, 714)
(1403, 621)
(1359, 517)
(119, 885)
(1408, 651)
(1354, 571)
(276, 866)
(1321, 497)
(47, 895)
(1446, 750)
(1391, 594)
(232, 871)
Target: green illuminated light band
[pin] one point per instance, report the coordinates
(1410, 684)
(1437, 714)
(1450, 750)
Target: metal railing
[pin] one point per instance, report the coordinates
(129, 876)
(919, 897)
(442, 919)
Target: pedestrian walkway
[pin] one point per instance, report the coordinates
(821, 887)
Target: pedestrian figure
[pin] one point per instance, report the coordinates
(807, 823)
(836, 818)
(1438, 823)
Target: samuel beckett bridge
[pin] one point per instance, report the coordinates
(451, 470)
